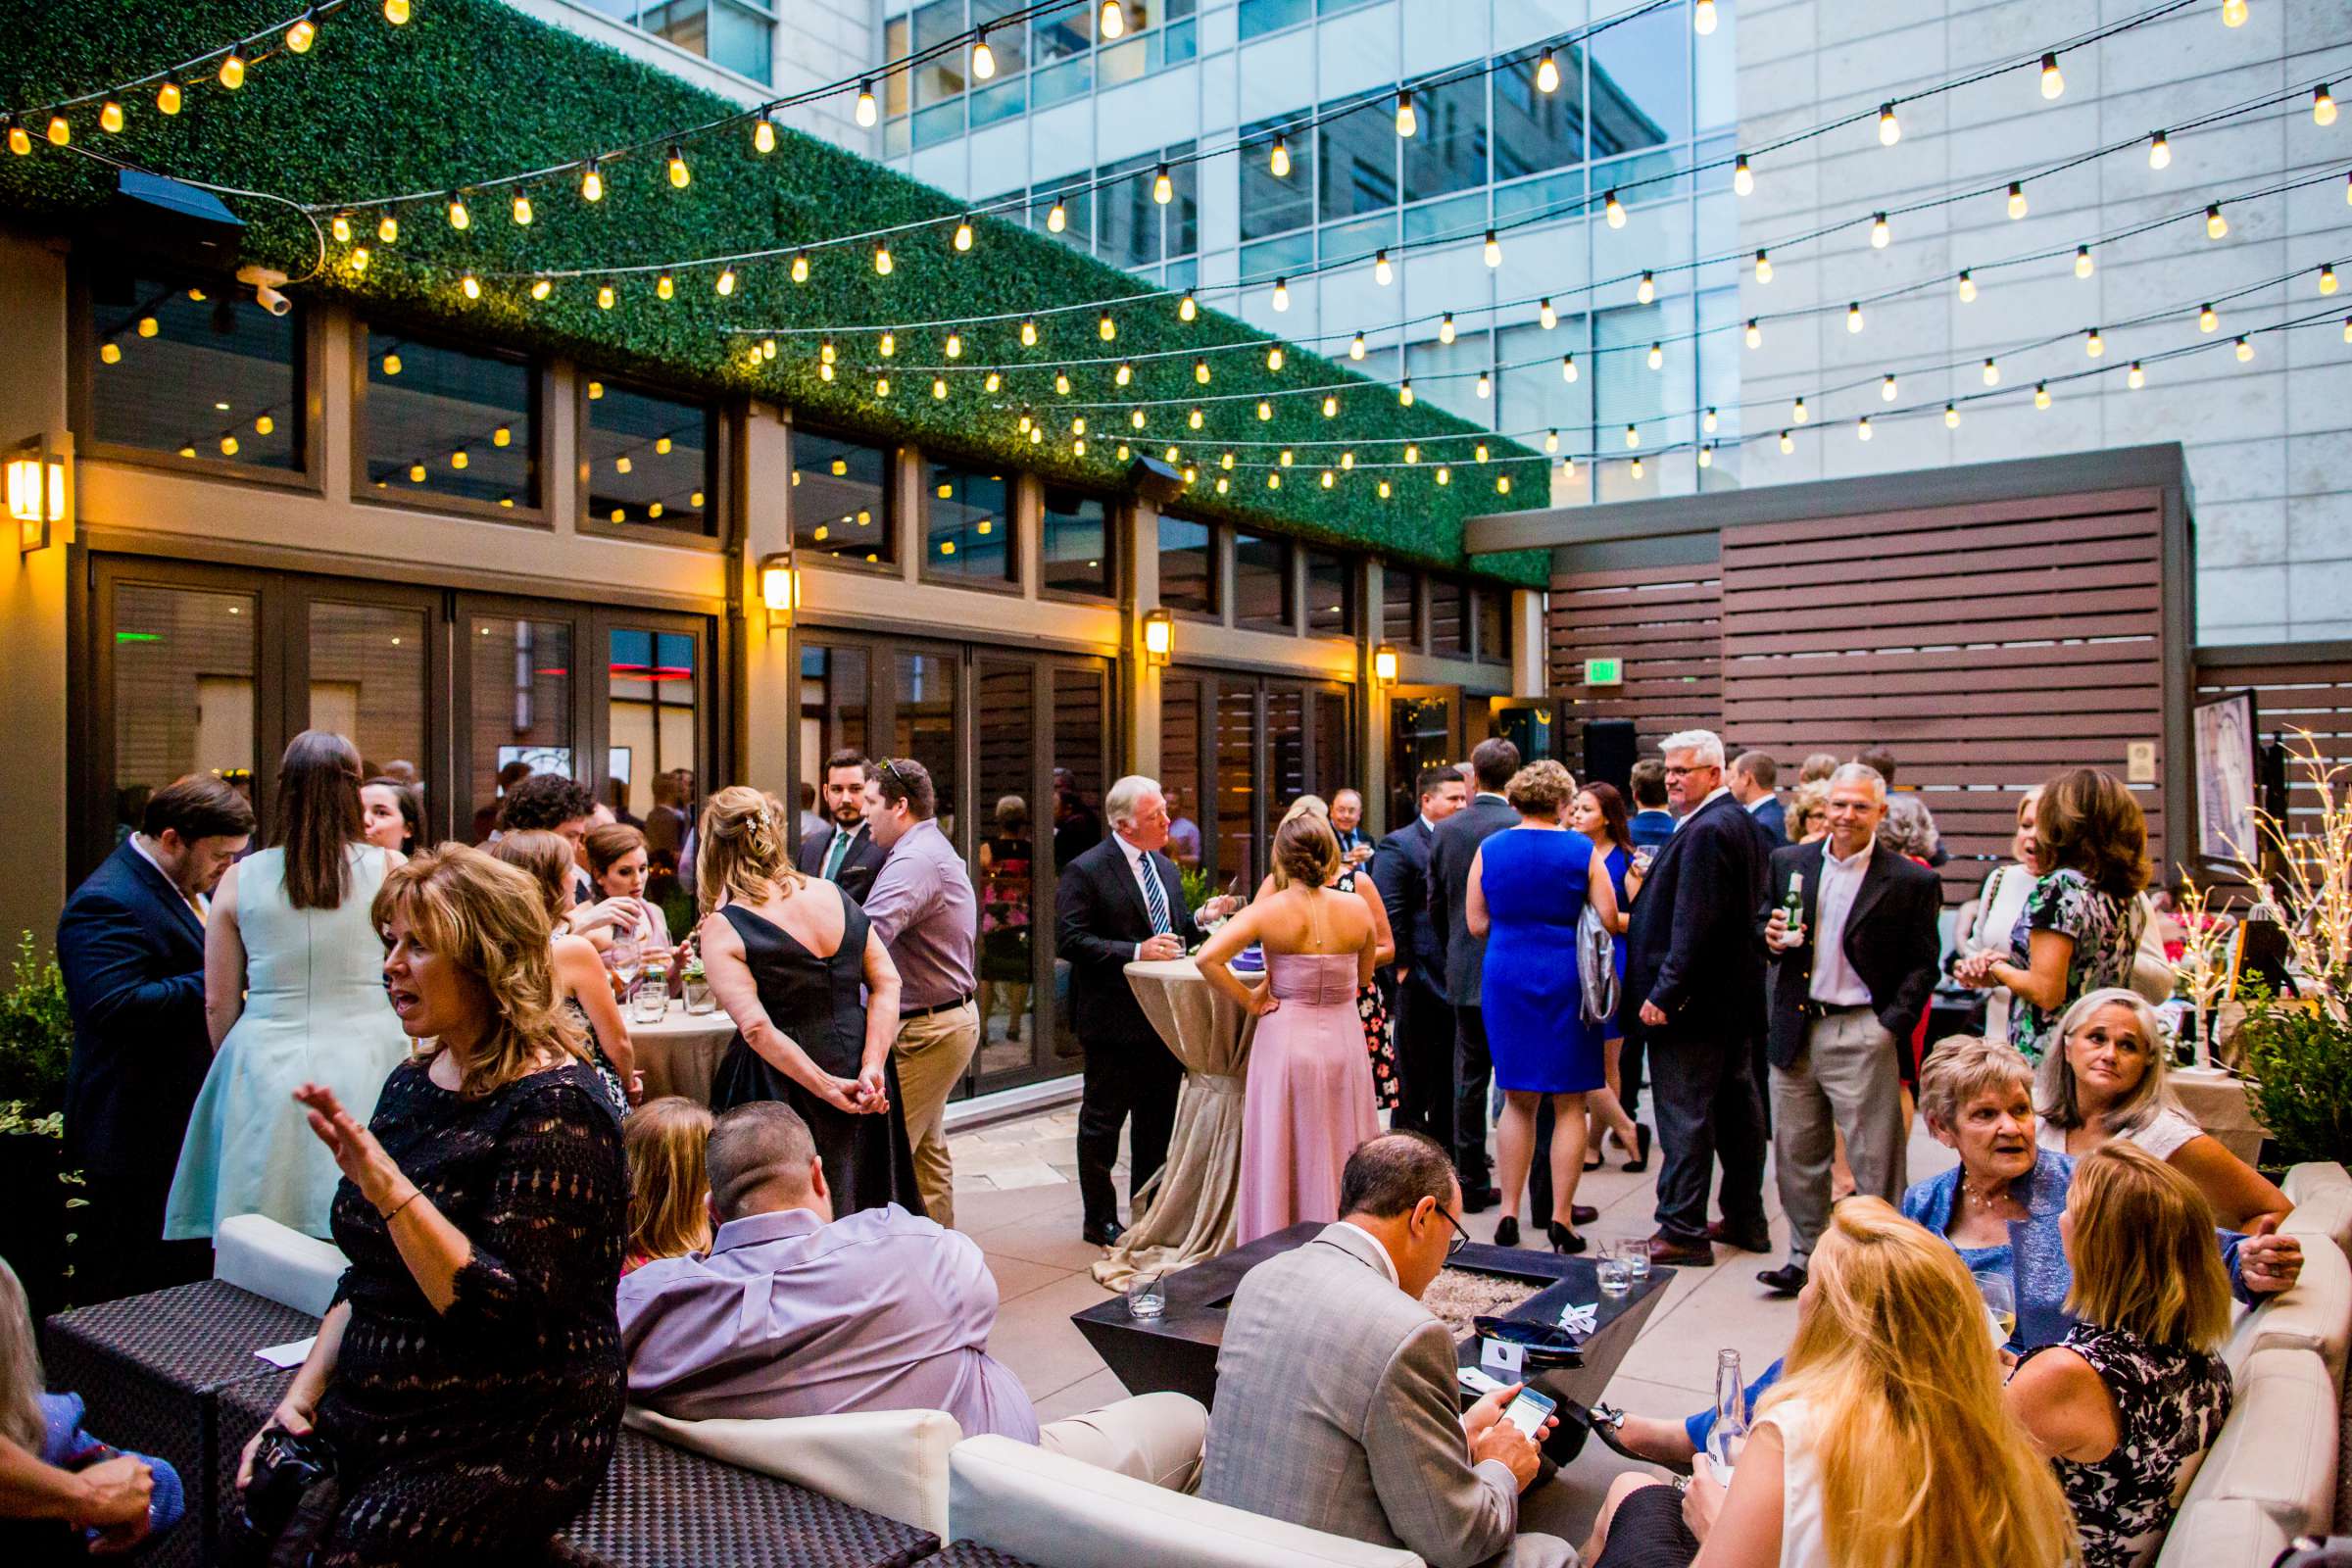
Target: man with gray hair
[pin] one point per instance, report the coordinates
(1849, 977)
(1694, 980)
(1121, 902)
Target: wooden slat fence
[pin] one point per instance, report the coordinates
(2297, 688)
(1665, 624)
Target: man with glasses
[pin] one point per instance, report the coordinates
(1850, 979)
(1695, 979)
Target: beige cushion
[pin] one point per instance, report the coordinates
(2278, 1447)
(1063, 1513)
(890, 1463)
(2324, 1211)
(2223, 1535)
(257, 1253)
(2316, 1315)
(2312, 1177)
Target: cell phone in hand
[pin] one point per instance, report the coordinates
(1530, 1411)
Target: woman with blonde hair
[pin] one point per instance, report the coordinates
(1809, 811)
(2135, 1395)
(2108, 1079)
(482, 1211)
(583, 990)
(670, 1185)
(1308, 1101)
(813, 994)
(1371, 1006)
(1885, 1441)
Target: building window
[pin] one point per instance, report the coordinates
(1537, 131)
(738, 34)
(462, 424)
(1330, 594)
(1074, 549)
(1355, 162)
(1261, 583)
(1271, 204)
(1399, 607)
(653, 460)
(1450, 152)
(841, 498)
(967, 525)
(1188, 565)
(1493, 623)
(1640, 84)
(1448, 619)
(195, 372)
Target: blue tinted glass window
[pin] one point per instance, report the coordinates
(1641, 92)
(1356, 161)
(1448, 153)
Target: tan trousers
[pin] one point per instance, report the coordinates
(1846, 1080)
(1152, 1437)
(932, 1053)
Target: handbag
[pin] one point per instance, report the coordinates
(1597, 966)
(291, 1502)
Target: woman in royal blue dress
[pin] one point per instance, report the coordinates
(1528, 888)
(1599, 813)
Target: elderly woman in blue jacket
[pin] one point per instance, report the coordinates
(2000, 1208)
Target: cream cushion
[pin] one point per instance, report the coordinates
(2277, 1449)
(2322, 1199)
(890, 1463)
(2316, 1315)
(257, 1253)
(1063, 1513)
(2236, 1534)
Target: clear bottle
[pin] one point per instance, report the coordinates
(1730, 1432)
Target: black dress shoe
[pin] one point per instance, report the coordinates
(1506, 1231)
(1582, 1214)
(1674, 1253)
(1786, 1280)
(1758, 1241)
(1478, 1199)
(1102, 1235)
(1564, 1239)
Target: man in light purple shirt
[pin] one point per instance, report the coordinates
(922, 908)
(792, 1312)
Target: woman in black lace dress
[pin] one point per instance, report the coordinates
(468, 1377)
(787, 956)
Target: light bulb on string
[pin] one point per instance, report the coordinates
(1853, 317)
(1356, 347)
(232, 72)
(2017, 199)
(1614, 211)
(396, 12)
(303, 34)
(1163, 186)
(542, 289)
(1277, 161)
(1992, 372)
(109, 116)
(1968, 287)
(1951, 415)
(2245, 349)
(1188, 308)
(1763, 266)
(1755, 334)
(2041, 394)
(1123, 374)
(1706, 456)
(763, 135)
(521, 210)
(962, 240)
(1707, 421)
(1880, 234)
(2233, 13)
(1567, 366)
(725, 285)
(882, 261)
(1028, 332)
(1632, 436)
(167, 98)
(1274, 356)
(2216, 225)
(604, 296)
(680, 176)
(1405, 393)
(1744, 182)
(1788, 443)
(2207, 317)
(1058, 217)
(60, 132)
(340, 227)
(799, 266)
(2328, 279)
(1445, 327)
(1862, 429)
(1657, 356)
(1798, 414)
(1406, 121)
(1195, 420)
(2160, 151)
(1547, 72)
(984, 59)
(993, 383)
(1382, 272)
(665, 287)
(2083, 265)
(1106, 328)
(459, 218)
(1282, 294)
(592, 183)
(2093, 343)
(1061, 383)
(1546, 315)
(1493, 250)
(955, 348)
(868, 112)
(1703, 18)
(1647, 290)
(387, 229)
(1200, 373)
(1265, 410)
(881, 386)
(1890, 129)
(1486, 385)
(2323, 106)
(1551, 440)
(2136, 377)
(1445, 475)
(1114, 18)
(2053, 81)
(471, 286)
(1888, 388)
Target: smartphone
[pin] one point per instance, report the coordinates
(1530, 1411)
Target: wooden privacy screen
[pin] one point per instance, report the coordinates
(1989, 645)
(1664, 622)
(2306, 688)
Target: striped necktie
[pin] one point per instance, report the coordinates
(1155, 898)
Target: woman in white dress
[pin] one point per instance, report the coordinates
(1992, 919)
(293, 994)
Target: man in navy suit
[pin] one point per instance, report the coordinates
(844, 852)
(1694, 973)
(1751, 778)
(1424, 1019)
(1463, 957)
(131, 942)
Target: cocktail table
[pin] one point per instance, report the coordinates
(1178, 1350)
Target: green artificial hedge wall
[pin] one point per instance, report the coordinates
(471, 89)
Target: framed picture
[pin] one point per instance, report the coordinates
(2226, 772)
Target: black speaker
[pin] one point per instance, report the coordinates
(1155, 480)
(1609, 754)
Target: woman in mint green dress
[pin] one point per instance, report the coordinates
(294, 994)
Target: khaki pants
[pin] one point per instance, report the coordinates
(932, 1053)
(1845, 1080)
(1152, 1437)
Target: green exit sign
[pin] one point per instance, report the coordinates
(1604, 671)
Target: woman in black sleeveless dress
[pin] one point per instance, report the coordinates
(841, 1079)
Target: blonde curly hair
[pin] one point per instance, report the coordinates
(490, 919)
(741, 848)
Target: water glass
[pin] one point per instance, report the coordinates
(651, 1001)
(1147, 1295)
(699, 998)
(1637, 1260)
(1616, 1273)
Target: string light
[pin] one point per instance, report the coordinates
(1058, 217)
(167, 98)
(1648, 289)
(799, 266)
(2323, 106)
(1493, 249)
(1546, 315)
(1277, 161)
(521, 211)
(666, 288)
(1755, 334)
(1029, 332)
(396, 12)
(592, 183)
(1880, 234)
(1445, 327)
(1163, 186)
(1265, 410)
(1763, 266)
(726, 282)
(2041, 394)
(1282, 294)
(1743, 183)
(1632, 436)
(2017, 199)
(1188, 308)
(2160, 152)
(1547, 72)
(1114, 19)
(232, 72)
(680, 175)
(60, 134)
(1201, 372)
(1706, 456)
(544, 287)
(387, 229)
(1657, 357)
(2136, 377)
(1108, 329)
(1061, 383)
(964, 234)
(471, 286)
(2245, 349)
(763, 135)
(1853, 317)
(2093, 344)
(2083, 265)
(2207, 320)
(2233, 13)
(1406, 121)
(1951, 415)
(1862, 428)
(1614, 209)
(984, 59)
(1382, 272)
(1788, 443)
(1356, 347)
(1798, 414)
(1405, 393)
(1992, 372)
(1274, 358)
(2328, 279)
(1486, 385)
(459, 218)
(867, 113)
(954, 349)
(1551, 440)
(1635, 468)
(358, 260)
(882, 261)
(2216, 225)
(1567, 366)
(1331, 405)
(1707, 421)
(109, 116)
(1886, 388)
(1890, 129)
(1703, 18)
(301, 35)
(2053, 83)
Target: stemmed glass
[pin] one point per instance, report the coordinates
(2000, 1305)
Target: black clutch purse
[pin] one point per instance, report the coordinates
(290, 1501)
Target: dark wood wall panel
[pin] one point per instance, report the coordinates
(2297, 690)
(1665, 624)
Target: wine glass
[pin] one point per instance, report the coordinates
(628, 958)
(2001, 1303)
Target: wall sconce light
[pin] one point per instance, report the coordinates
(1384, 665)
(779, 589)
(1160, 637)
(40, 491)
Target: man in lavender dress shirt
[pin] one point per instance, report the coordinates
(792, 1312)
(922, 908)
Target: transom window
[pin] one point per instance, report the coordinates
(194, 370)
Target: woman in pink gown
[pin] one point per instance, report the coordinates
(1308, 1100)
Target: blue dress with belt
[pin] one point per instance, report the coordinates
(1534, 882)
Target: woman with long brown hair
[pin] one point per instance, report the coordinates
(293, 995)
(583, 990)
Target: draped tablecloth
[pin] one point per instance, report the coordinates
(1187, 1209)
(2216, 1099)
(679, 1055)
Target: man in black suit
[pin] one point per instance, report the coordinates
(131, 942)
(1463, 957)
(1847, 985)
(845, 853)
(1693, 965)
(1424, 1019)
(1119, 901)
(1751, 778)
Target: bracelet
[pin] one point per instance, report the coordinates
(393, 1214)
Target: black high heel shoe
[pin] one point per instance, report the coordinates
(1598, 1157)
(1641, 1161)
(1506, 1231)
(1564, 1239)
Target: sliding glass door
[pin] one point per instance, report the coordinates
(1235, 750)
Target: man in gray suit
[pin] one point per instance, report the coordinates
(1336, 1403)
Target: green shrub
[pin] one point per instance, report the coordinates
(2298, 1063)
(36, 1031)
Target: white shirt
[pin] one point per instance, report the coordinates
(1835, 983)
(200, 903)
(1139, 866)
(1388, 1264)
(1720, 789)
(2162, 1136)
(1805, 1526)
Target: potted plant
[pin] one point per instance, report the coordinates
(2298, 1066)
(36, 1037)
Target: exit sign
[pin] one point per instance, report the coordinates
(1604, 671)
